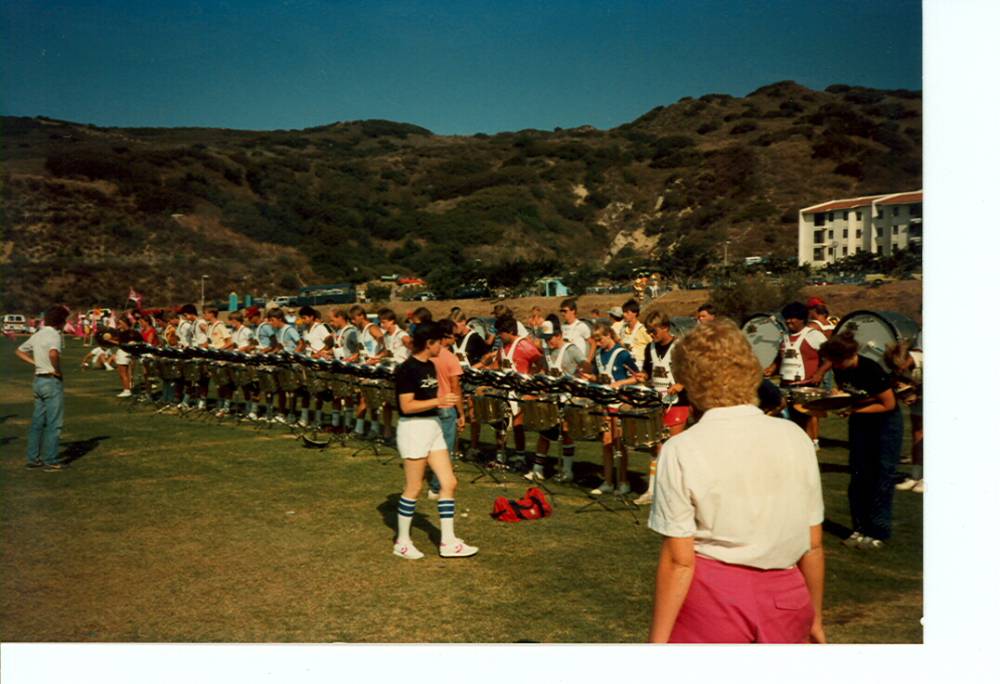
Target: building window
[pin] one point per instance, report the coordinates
(857, 216)
(895, 211)
(845, 233)
(878, 250)
(879, 231)
(818, 237)
(819, 219)
(857, 233)
(845, 216)
(895, 230)
(818, 254)
(829, 234)
(878, 213)
(895, 248)
(829, 216)
(844, 251)
(916, 210)
(832, 251)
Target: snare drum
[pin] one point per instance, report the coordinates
(341, 389)
(192, 370)
(290, 378)
(243, 374)
(268, 378)
(377, 394)
(219, 372)
(490, 408)
(583, 420)
(641, 428)
(170, 369)
(539, 414)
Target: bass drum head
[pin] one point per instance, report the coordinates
(876, 330)
(765, 332)
(682, 325)
(481, 325)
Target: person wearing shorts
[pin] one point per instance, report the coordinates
(740, 506)
(421, 443)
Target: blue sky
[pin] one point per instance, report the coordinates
(453, 67)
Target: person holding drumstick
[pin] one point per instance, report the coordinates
(421, 443)
(740, 507)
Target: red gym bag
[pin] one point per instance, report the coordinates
(531, 506)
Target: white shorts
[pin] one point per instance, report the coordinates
(122, 358)
(418, 437)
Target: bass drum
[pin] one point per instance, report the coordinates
(682, 325)
(876, 330)
(765, 332)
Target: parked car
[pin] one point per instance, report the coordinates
(16, 324)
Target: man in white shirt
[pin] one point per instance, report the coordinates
(43, 350)
(576, 331)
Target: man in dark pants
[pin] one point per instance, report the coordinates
(43, 350)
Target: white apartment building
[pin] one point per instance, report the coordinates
(880, 224)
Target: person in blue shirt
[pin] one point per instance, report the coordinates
(285, 338)
(615, 367)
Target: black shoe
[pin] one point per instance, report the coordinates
(31, 465)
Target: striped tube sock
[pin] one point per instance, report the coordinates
(446, 511)
(335, 419)
(538, 464)
(404, 516)
(568, 452)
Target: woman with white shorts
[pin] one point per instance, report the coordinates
(421, 443)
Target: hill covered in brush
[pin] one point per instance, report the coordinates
(88, 210)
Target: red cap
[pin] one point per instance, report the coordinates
(252, 311)
(814, 302)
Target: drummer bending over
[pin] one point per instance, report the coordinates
(657, 370)
(561, 359)
(615, 368)
(799, 364)
(421, 443)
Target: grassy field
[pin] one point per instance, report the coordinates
(171, 529)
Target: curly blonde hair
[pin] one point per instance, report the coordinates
(717, 367)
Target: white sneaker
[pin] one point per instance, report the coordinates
(407, 551)
(252, 416)
(919, 487)
(907, 484)
(458, 549)
(871, 544)
(605, 488)
(622, 489)
(108, 367)
(645, 500)
(432, 495)
(533, 476)
(278, 418)
(222, 413)
(125, 393)
(853, 540)
(563, 477)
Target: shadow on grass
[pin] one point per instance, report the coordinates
(4, 419)
(834, 443)
(836, 529)
(4, 441)
(73, 451)
(421, 521)
(834, 468)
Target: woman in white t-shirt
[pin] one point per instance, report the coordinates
(739, 504)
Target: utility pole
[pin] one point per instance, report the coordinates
(203, 293)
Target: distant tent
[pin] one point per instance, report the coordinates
(552, 287)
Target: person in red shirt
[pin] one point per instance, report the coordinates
(517, 354)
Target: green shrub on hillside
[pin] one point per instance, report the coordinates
(740, 296)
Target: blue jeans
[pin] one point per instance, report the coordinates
(46, 421)
(875, 442)
(449, 426)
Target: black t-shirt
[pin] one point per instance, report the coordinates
(476, 348)
(867, 379)
(418, 378)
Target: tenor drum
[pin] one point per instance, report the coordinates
(876, 330)
(765, 332)
(341, 389)
(150, 368)
(377, 394)
(490, 408)
(539, 414)
(583, 420)
(641, 428)
(243, 374)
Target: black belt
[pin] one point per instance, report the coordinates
(48, 375)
